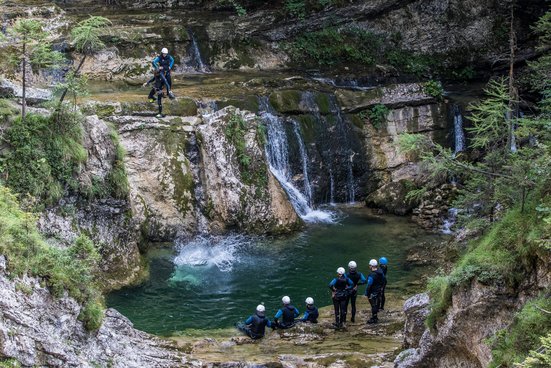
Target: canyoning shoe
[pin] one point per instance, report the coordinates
(160, 115)
(352, 320)
(373, 320)
(171, 95)
(151, 100)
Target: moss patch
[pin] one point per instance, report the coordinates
(286, 102)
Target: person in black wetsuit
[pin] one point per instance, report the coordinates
(383, 263)
(156, 91)
(164, 63)
(287, 313)
(255, 325)
(357, 278)
(311, 314)
(340, 287)
(375, 283)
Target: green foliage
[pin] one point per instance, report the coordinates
(43, 160)
(530, 326)
(62, 269)
(377, 115)
(252, 173)
(9, 363)
(440, 293)
(434, 89)
(75, 85)
(117, 179)
(92, 314)
(408, 62)
(239, 9)
(85, 36)
(540, 357)
(540, 69)
(333, 46)
(296, 8)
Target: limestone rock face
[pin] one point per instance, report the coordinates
(252, 200)
(37, 329)
(416, 310)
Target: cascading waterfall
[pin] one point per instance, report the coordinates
(195, 54)
(278, 159)
(459, 134)
(349, 153)
(304, 160)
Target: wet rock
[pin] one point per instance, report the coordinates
(392, 198)
(416, 310)
(33, 96)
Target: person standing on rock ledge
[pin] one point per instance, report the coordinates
(375, 283)
(357, 278)
(340, 287)
(255, 325)
(164, 63)
(383, 264)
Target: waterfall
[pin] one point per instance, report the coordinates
(459, 134)
(278, 159)
(195, 55)
(449, 221)
(304, 160)
(348, 155)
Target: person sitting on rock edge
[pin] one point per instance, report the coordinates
(375, 282)
(164, 63)
(311, 314)
(383, 264)
(357, 278)
(156, 90)
(340, 287)
(287, 313)
(255, 325)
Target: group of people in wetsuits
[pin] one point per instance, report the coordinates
(162, 66)
(344, 290)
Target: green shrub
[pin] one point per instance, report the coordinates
(295, 8)
(43, 160)
(9, 363)
(91, 314)
(434, 89)
(62, 269)
(377, 115)
(539, 357)
(513, 344)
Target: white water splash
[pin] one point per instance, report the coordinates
(449, 221)
(459, 134)
(211, 251)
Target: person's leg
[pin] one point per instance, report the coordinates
(374, 301)
(383, 299)
(343, 311)
(347, 302)
(336, 306)
(353, 308)
(160, 103)
(151, 94)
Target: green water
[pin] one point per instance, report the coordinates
(214, 282)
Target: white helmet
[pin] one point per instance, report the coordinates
(286, 300)
(352, 264)
(260, 308)
(340, 270)
(309, 301)
(373, 263)
(164, 50)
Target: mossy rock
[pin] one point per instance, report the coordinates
(359, 100)
(286, 102)
(308, 124)
(180, 107)
(249, 103)
(322, 100)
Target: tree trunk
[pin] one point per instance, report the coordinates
(23, 99)
(511, 141)
(76, 73)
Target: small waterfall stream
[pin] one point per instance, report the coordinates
(278, 157)
(304, 160)
(195, 55)
(459, 134)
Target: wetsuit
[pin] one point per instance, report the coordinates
(357, 278)
(255, 326)
(383, 298)
(341, 287)
(287, 314)
(375, 283)
(166, 62)
(311, 315)
(157, 89)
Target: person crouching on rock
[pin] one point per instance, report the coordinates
(156, 91)
(287, 313)
(255, 325)
(375, 283)
(311, 314)
(164, 63)
(340, 287)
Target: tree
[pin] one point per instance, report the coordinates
(86, 39)
(33, 49)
